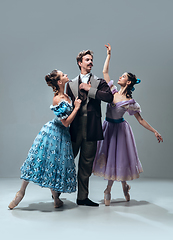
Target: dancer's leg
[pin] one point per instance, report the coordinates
(23, 186)
(57, 202)
(126, 189)
(109, 186)
(107, 193)
(19, 195)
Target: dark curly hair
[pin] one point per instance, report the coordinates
(81, 54)
(130, 88)
(52, 79)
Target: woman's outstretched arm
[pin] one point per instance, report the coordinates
(148, 126)
(106, 64)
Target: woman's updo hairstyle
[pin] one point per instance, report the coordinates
(52, 79)
(130, 88)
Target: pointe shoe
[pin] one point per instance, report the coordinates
(107, 198)
(126, 192)
(19, 196)
(58, 203)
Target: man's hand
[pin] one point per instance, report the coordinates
(85, 86)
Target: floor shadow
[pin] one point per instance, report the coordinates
(48, 206)
(124, 203)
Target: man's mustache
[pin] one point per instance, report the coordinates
(90, 64)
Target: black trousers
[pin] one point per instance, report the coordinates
(87, 154)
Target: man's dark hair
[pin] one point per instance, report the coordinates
(83, 53)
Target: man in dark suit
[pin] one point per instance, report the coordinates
(86, 128)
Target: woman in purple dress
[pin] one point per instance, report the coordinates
(116, 157)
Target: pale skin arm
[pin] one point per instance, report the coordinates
(66, 122)
(106, 64)
(148, 126)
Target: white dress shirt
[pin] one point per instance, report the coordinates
(84, 78)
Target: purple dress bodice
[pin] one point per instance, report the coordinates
(116, 111)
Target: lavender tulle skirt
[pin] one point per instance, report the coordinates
(116, 156)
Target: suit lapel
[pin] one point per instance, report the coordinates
(74, 85)
(94, 81)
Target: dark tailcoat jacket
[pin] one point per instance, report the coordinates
(98, 92)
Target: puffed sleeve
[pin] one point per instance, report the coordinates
(62, 110)
(112, 87)
(134, 108)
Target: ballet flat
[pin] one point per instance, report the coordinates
(58, 203)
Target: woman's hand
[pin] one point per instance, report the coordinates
(77, 103)
(158, 136)
(108, 46)
(66, 122)
(148, 126)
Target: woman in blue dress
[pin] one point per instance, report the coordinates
(50, 161)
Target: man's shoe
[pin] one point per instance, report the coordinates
(87, 202)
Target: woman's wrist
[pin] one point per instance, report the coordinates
(76, 108)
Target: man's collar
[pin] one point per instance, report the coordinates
(86, 75)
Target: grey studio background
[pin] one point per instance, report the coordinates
(38, 36)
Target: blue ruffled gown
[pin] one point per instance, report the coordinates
(50, 160)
